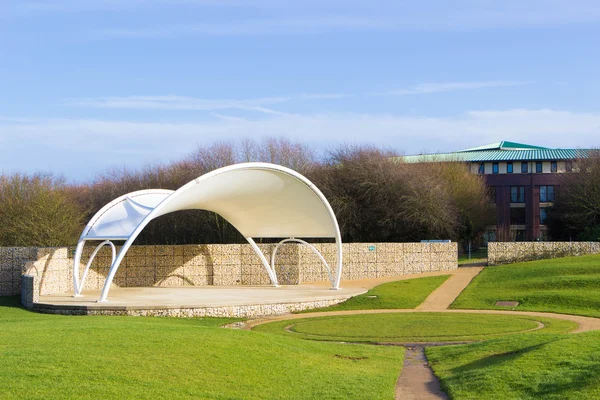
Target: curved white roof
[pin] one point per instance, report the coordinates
(259, 199)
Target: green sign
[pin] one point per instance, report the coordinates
(371, 248)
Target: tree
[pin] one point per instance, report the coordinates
(577, 210)
(376, 197)
(38, 210)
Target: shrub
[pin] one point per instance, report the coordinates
(38, 210)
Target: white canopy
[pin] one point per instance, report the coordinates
(259, 199)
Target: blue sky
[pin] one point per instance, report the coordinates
(86, 85)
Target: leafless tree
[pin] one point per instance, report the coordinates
(37, 210)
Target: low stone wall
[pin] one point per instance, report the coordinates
(234, 264)
(12, 266)
(511, 252)
(239, 311)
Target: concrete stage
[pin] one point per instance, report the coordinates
(213, 301)
(225, 301)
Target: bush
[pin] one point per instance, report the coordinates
(38, 210)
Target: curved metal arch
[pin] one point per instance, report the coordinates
(156, 212)
(84, 235)
(79, 288)
(313, 248)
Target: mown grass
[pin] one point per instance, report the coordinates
(521, 367)
(412, 327)
(60, 357)
(565, 285)
(407, 293)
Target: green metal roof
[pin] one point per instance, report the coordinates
(504, 145)
(500, 155)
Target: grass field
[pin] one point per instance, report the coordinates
(521, 367)
(412, 327)
(48, 356)
(56, 357)
(565, 285)
(407, 293)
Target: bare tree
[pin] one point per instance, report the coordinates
(577, 210)
(37, 210)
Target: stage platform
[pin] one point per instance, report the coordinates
(198, 301)
(212, 301)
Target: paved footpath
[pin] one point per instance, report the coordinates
(441, 298)
(417, 381)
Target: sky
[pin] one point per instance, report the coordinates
(89, 85)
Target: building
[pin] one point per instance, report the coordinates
(524, 182)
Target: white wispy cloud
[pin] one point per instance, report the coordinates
(427, 88)
(249, 27)
(38, 7)
(324, 96)
(87, 145)
(262, 105)
(179, 103)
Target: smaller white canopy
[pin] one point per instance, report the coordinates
(119, 218)
(259, 199)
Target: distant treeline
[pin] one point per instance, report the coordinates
(375, 196)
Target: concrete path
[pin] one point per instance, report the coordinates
(417, 381)
(441, 298)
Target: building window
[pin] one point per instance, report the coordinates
(495, 169)
(543, 216)
(517, 194)
(517, 216)
(524, 167)
(546, 194)
(553, 166)
(509, 168)
(481, 168)
(538, 167)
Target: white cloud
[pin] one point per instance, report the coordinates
(179, 103)
(324, 96)
(426, 88)
(175, 103)
(249, 27)
(315, 16)
(68, 137)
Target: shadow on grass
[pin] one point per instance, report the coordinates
(498, 359)
(11, 302)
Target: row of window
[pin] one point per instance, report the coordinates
(517, 194)
(518, 216)
(524, 167)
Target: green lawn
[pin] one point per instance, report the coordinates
(412, 327)
(521, 367)
(55, 357)
(407, 293)
(565, 285)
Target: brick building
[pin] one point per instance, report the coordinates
(524, 182)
